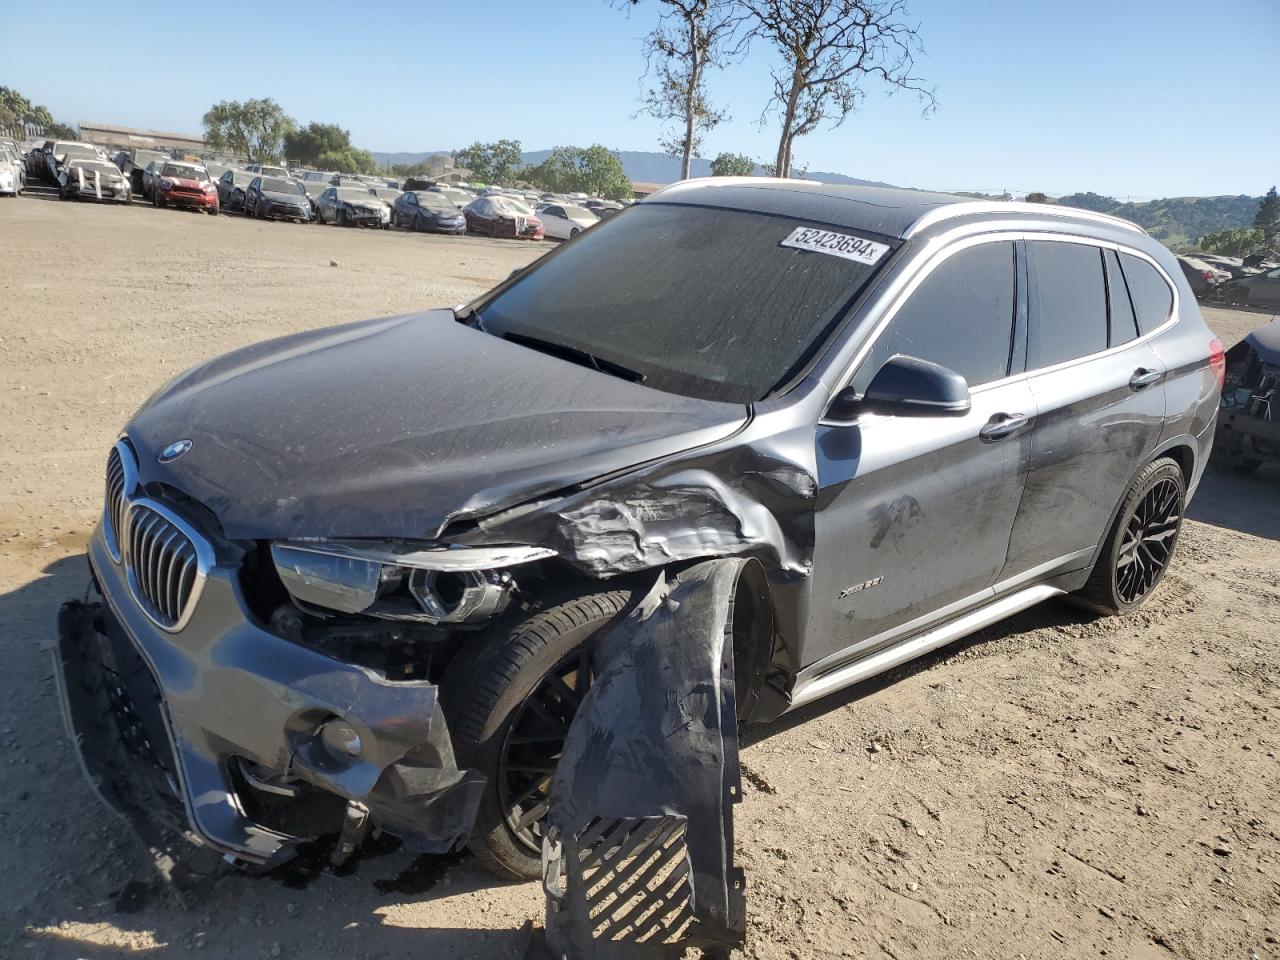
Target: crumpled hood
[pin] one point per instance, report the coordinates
(390, 428)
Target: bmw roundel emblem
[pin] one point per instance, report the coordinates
(174, 450)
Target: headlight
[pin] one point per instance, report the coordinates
(401, 581)
(166, 184)
(208, 188)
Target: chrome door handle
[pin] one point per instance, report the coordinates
(1002, 425)
(1142, 378)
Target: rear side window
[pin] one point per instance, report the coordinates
(1152, 298)
(1068, 301)
(961, 316)
(1124, 326)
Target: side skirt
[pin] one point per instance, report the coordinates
(840, 677)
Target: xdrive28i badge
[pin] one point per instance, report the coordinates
(174, 450)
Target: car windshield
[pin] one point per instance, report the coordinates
(313, 188)
(184, 171)
(702, 302)
(273, 171)
(437, 202)
(580, 212)
(143, 157)
(75, 150)
(352, 194)
(276, 185)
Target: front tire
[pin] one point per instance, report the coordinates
(1140, 546)
(510, 699)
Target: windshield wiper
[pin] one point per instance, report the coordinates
(576, 355)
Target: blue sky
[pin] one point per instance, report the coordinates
(1133, 98)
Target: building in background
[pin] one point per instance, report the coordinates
(106, 134)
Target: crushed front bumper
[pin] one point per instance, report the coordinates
(167, 723)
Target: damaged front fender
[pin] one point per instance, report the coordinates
(638, 858)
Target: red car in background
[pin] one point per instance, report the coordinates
(185, 185)
(498, 216)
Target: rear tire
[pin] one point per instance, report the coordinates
(485, 691)
(1141, 544)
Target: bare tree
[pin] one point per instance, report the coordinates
(692, 37)
(829, 49)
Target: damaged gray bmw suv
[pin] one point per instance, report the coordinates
(358, 576)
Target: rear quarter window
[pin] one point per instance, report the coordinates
(1152, 298)
(1068, 302)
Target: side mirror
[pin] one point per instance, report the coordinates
(906, 386)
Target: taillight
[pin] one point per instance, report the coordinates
(1207, 274)
(1218, 361)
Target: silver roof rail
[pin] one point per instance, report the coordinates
(949, 211)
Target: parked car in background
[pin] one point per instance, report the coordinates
(388, 196)
(501, 216)
(1202, 278)
(13, 173)
(428, 211)
(1257, 290)
(313, 189)
(1233, 266)
(320, 176)
(460, 198)
(185, 185)
(277, 198)
(269, 170)
(82, 179)
(352, 207)
(133, 163)
(217, 168)
(1248, 432)
(562, 221)
(231, 187)
(417, 183)
(61, 152)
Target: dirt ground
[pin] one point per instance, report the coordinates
(1057, 786)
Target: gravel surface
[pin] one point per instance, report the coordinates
(1058, 786)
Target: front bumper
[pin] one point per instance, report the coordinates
(201, 702)
(203, 200)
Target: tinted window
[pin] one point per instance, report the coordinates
(700, 301)
(1124, 327)
(960, 316)
(1152, 298)
(1068, 302)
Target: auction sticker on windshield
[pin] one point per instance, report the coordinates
(836, 244)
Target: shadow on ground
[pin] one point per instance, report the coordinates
(1247, 503)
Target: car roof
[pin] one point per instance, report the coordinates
(890, 211)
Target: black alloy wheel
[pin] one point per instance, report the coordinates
(533, 745)
(1148, 541)
(1140, 544)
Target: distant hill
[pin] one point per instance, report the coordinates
(1175, 221)
(642, 165)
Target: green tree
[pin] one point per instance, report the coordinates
(595, 170)
(16, 110)
(1267, 218)
(1037, 197)
(1090, 201)
(497, 162)
(1238, 242)
(255, 128)
(61, 131)
(732, 165)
